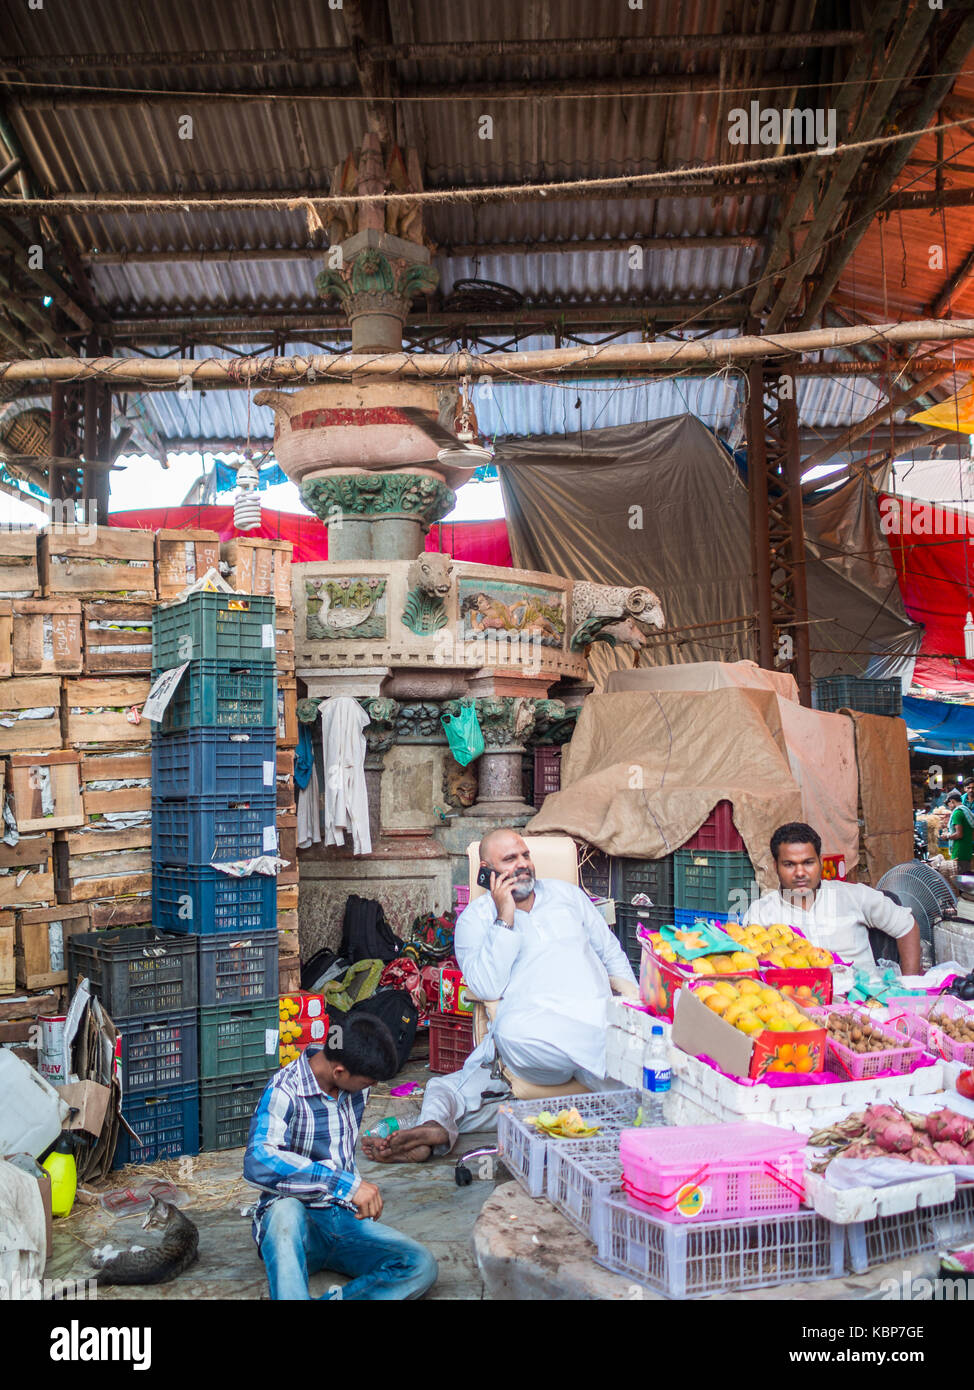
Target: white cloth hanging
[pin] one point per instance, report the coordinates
(309, 812)
(343, 723)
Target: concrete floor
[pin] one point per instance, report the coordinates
(422, 1200)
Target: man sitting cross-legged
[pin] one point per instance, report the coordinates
(541, 948)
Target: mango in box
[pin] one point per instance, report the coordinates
(779, 945)
(755, 1008)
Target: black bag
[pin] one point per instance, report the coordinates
(398, 1012)
(366, 935)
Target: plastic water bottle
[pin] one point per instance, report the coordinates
(656, 1077)
(387, 1127)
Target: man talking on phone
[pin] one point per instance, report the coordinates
(541, 949)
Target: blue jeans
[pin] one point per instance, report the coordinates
(299, 1240)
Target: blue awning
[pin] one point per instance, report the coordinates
(939, 728)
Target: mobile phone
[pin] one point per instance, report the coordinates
(483, 877)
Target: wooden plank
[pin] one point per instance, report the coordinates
(118, 911)
(117, 766)
(8, 969)
(79, 842)
(35, 886)
(18, 563)
(182, 557)
(260, 566)
(287, 712)
(287, 897)
(46, 637)
(112, 885)
(96, 804)
(6, 639)
(117, 637)
(24, 693)
(29, 850)
(99, 711)
(287, 839)
(288, 920)
(42, 936)
(24, 785)
(112, 562)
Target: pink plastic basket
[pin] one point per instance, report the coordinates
(864, 1066)
(462, 894)
(709, 1173)
(915, 1023)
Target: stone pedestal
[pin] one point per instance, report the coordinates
(499, 797)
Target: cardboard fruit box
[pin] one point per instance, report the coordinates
(700, 1032)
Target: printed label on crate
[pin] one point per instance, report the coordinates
(692, 1200)
(270, 839)
(268, 636)
(271, 1041)
(163, 689)
(270, 772)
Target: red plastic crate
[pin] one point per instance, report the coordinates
(547, 773)
(451, 1042)
(717, 831)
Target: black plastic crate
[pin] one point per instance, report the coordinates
(239, 1040)
(167, 1122)
(594, 871)
(858, 693)
(200, 899)
(214, 830)
(227, 763)
(654, 877)
(159, 1052)
(226, 1109)
(629, 920)
(238, 969)
(136, 971)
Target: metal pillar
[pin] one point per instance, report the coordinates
(777, 524)
(67, 430)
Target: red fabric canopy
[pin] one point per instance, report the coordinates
(482, 541)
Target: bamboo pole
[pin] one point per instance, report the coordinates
(394, 366)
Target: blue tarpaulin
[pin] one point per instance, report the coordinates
(943, 728)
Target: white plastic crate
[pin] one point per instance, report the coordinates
(717, 1256)
(953, 1223)
(887, 1238)
(579, 1177)
(524, 1148)
(954, 941)
(847, 1205)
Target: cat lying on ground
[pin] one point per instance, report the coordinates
(159, 1263)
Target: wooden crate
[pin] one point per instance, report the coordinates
(97, 711)
(284, 641)
(103, 863)
(182, 557)
(18, 563)
(6, 638)
(25, 790)
(46, 637)
(287, 712)
(287, 897)
(22, 693)
(8, 966)
(28, 880)
(289, 972)
(133, 765)
(287, 848)
(117, 638)
(42, 943)
(19, 1015)
(286, 790)
(101, 562)
(259, 566)
(134, 910)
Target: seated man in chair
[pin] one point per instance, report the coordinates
(541, 949)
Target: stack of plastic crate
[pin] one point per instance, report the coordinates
(214, 800)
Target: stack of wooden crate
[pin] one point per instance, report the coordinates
(253, 565)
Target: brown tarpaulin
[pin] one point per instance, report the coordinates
(885, 796)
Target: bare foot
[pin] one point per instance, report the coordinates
(406, 1145)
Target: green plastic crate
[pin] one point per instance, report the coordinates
(226, 1109)
(239, 1040)
(705, 879)
(215, 627)
(222, 694)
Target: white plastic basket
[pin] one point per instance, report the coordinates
(524, 1148)
(953, 1223)
(716, 1256)
(911, 1232)
(580, 1177)
(954, 941)
(847, 1205)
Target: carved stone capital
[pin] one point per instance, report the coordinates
(409, 495)
(380, 733)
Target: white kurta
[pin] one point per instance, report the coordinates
(343, 721)
(839, 919)
(551, 974)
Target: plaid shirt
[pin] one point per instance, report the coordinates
(302, 1142)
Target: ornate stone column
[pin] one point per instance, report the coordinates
(507, 722)
(381, 516)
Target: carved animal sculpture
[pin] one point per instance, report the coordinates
(613, 613)
(431, 572)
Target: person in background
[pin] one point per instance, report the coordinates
(315, 1210)
(835, 914)
(960, 829)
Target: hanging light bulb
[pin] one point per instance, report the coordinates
(246, 504)
(969, 638)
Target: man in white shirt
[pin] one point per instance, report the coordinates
(833, 914)
(540, 947)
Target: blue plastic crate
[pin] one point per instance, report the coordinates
(214, 830)
(239, 969)
(214, 627)
(200, 899)
(222, 695)
(214, 762)
(167, 1121)
(159, 1052)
